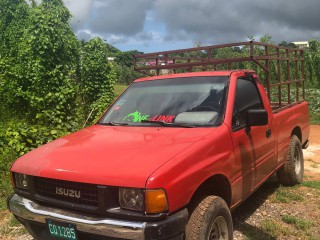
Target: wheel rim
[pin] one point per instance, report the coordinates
(297, 160)
(219, 229)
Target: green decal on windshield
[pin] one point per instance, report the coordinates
(135, 117)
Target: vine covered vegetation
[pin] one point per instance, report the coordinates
(49, 80)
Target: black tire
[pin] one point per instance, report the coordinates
(211, 219)
(292, 171)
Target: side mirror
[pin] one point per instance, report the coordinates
(256, 117)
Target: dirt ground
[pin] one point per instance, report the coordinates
(263, 215)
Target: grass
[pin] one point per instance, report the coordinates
(314, 118)
(118, 89)
(312, 184)
(299, 223)
(10, 226)
(274, 229)
(287, 195)
(6, 158)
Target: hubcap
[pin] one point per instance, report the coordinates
(219, 229)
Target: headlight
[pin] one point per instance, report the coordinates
(22, 181)
(131, 198)
(149, 200)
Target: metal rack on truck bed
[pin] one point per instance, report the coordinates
(281, 69)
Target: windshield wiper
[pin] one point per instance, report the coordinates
(167, 124)
(114, 124)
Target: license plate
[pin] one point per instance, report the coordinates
(62, 230)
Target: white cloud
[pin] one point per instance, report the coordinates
(138, 22)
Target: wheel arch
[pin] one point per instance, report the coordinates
(297, 131)
(217, 185)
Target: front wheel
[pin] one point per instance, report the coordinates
(291, 172)
(210, 220)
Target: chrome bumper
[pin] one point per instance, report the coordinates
(27, 209)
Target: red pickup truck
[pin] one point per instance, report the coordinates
(173, 155)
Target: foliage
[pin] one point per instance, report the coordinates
(313, 97)
(286, 44)
(100, 105)
(124, 67)
(119, 89)
(111, 50)
(97, 77)
(42, 86)
(95, 70)
(13, 19)
(125, 59)
(22, 137)
(126, 75)
(312, 57)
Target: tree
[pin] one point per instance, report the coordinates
(312, 56)
(125, 59)
(48, 58)
(13, 20)
(286, 44)
(97, 76)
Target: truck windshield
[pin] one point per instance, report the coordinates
(189, 101)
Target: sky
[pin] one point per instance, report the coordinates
(159, 25)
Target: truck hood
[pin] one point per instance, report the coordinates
(109, 155)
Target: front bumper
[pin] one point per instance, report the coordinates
(32, 214)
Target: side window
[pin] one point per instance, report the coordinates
(247, 97)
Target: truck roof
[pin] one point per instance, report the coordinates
(193, 74)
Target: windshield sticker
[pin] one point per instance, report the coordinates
(120, 102)
(163, 118)
(135, 117)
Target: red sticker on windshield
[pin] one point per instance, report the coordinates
(163, 118)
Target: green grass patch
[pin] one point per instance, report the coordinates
(299, 223)
(312, 184)
(286, 195)
(5, 190)
(118, 89)
(274, 229)
(314, 118)
(7, 156)
(11, 226)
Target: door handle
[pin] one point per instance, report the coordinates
(268, 133)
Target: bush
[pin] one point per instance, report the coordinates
(21, 138)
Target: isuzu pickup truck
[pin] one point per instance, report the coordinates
(175, 153)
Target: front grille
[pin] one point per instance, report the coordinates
(47, 188)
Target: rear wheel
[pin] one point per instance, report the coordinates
(291, 172)
(210, 220)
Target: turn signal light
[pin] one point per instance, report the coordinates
(156, 201)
